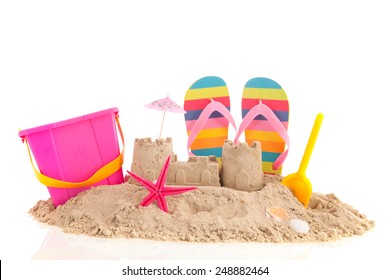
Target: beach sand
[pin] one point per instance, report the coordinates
(208, 214)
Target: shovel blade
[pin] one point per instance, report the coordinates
(300, 186)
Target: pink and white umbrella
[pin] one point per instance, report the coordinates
(165, 104)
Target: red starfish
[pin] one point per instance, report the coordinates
(158, 190)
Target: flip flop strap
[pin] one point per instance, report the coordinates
(204, 116)
(262, 109)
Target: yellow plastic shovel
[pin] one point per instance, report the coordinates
(298, 183)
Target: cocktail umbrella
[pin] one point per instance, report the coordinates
(167, 105)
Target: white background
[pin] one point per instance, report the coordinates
(61, 59)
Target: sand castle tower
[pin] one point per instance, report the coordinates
(149, 157)
(242, 166)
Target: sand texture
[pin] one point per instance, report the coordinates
(208, 214)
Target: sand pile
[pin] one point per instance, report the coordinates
(209, 214)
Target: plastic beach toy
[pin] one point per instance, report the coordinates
(158, 190)
(75, 154)
(298, 183)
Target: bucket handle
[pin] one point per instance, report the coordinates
(107, 170)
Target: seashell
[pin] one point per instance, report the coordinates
(299, 226)
(276, 212)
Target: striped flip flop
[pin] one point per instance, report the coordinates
(265, 112)
(207, 104)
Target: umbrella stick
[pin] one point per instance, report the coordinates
(162, 124)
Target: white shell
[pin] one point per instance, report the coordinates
(299, 226)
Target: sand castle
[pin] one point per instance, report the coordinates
(241, 165)
(197, 171)
(149, 157)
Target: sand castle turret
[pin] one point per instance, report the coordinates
(149, 157)
(242, 166)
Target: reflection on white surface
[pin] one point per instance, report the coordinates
(61, 246)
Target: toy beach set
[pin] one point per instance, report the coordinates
(227, 190)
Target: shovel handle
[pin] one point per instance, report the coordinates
(310, 144)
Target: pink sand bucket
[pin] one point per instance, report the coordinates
(76, 154)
